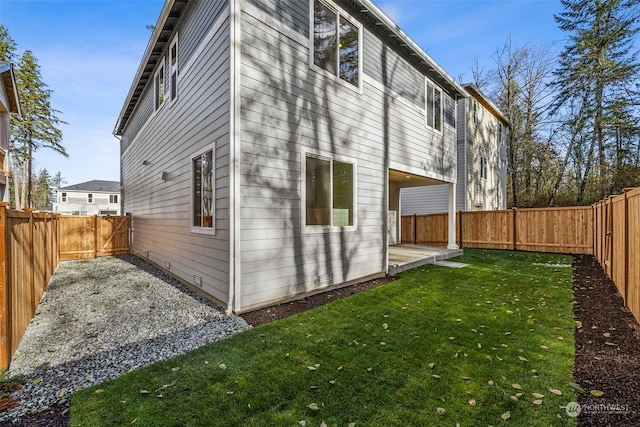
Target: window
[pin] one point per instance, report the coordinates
(500, 134)
(173, 69)
(202, 166)
(484, 168)
(329, 192)
(90, 198)
(336, 44)
(475, 112)
(434, 106)
(63, 199)
(113, 198)
(158, 85)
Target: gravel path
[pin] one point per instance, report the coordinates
(100, 318)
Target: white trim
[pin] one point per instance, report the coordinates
(159, 70)
(420, 171)
(319, 229)
(235, 253)
(174, 97)
(427, 82)
(336, 77)
(197, 229)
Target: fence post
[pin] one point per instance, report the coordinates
(5, 321)
(626, 246)
(415, 229)
(95, 236)
(32, 262)
(515, 228)
(460, 228)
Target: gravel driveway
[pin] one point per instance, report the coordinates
(100, 318)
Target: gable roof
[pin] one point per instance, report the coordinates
(96, 186)
(172, 11)
(9, 82)
(475, 92)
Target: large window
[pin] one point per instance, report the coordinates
(173, 67)
(434, 106)
(329, 192)
(203, 194)
(336, 45)
(158, 85)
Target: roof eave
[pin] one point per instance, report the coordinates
(475, 91)
(9, 80)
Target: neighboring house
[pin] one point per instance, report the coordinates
(264, 144)
(89, 198)
(9, 104)
(482, 162)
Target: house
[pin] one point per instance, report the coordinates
(482, 161)
(9, 104)
(264, 144)
(89, 198)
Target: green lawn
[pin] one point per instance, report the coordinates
(440, 346)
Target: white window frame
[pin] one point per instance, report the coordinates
(474, 112)
(173, 70)
(63, 197)
(198, 229)
(336, 77)
(428, 82)
(89, 197)
(157, 103)
(484, 168)
(113, 198)
(313, 229)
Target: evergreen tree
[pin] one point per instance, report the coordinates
(7, 45)
(43, 190)
(38, 127)
(595, 80)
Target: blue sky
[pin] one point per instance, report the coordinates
(89, 51)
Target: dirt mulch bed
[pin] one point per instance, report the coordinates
(607, 349)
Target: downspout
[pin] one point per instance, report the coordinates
(234, 303)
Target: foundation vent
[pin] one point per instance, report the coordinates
(197, 280)
(325, 280)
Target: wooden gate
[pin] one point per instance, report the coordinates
(93, 236)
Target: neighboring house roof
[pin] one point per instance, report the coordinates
(9, 81)
(95, 186)
(486, 103)
(172, 10)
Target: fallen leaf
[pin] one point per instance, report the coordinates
(538, 395)
(177, 368)
(98, 391)
(506, 415)
(441, 411)
(524, 359)
(472, 402)
(610, 343)
(436, 376)
(145, 392)
(537, 402)
(516, 386)
(311, 368)
(431, 365)
(323, 424)
(222, 366)
(302, 423)
(597, 393)
(555, 391)
(313, 406)
(351, 425)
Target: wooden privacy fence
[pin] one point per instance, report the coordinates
(28, 256)
(31, 244)
(93, 236)
(562, 230)
(617, 244)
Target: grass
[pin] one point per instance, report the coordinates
(439, 346)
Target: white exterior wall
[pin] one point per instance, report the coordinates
(289, 109)
(167, 140)
(77, 203)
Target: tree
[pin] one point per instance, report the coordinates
(36, 129)
(595, 81)
(7, 45)
(43, 190)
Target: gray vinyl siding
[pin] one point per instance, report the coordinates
(400, 76)
(292, 13)
(289, 109)
(197, 120)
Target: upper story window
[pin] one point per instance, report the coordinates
(113, 198)
(336, 43)
(484, 168)
(474, 104)
(63, 198)
(202, 191)
(173, 69)
(90, 198)
(434, 106)
(329, 192)
(158, 86)
(500, 134)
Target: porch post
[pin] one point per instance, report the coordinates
(452, 217)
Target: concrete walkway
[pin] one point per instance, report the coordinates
(405, 257)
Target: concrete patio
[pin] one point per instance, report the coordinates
(406, 256)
